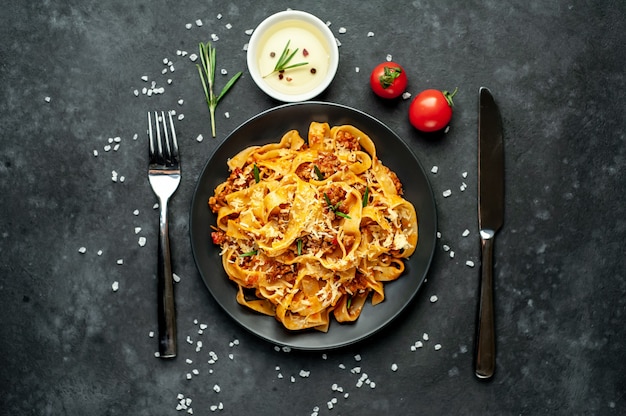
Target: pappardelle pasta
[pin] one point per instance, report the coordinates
(310, 230)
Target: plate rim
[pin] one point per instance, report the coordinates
(315, 334)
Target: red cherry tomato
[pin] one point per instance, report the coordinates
(388, 80)
(431, 110)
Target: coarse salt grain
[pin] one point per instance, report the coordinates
(434, 169)
(219, 16)
(107, 147)
(175, 277)
(151, 334)
(447, 193)
(357, 357)
(136, 212)
(120, 261)
(82, 250)
(425, 336)
(406, 95)
(451, 254)
(142, 241)
(357, 69)
(370, 34)
(437, 347)
(144, 78)
(304, 373)
(249, 31)
(466, 233)
(181, 116)
(434, 298)
(193, 57)
(136, 92)
(47, 99)
(199, 22)
(394, 367)
(445, 247)
(464, 174)
(469, 263)
(342, 30)
(226, 114)
(115, 286)
(199, 138)
(389, 57)
(99, 253)
(137, 230)
(188, 26)
(214, 37)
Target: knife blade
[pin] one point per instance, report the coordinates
(490, 220)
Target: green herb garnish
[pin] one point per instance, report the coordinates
(299, 243)
(207, 76)
(366, 196)
(255, 171)
(318, 172)
(335, 208)
(349, 303)
(249, 253)
(284, 59)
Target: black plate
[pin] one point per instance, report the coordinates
(269, 127)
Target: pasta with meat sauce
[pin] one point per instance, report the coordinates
(310, 229)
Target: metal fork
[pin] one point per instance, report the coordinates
(164, 177)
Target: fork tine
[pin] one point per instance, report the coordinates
(174, 140)
(151, 136)
(160, 157)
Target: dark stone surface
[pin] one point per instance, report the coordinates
(70, 345)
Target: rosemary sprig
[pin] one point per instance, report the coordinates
(284, 59)
(207, 76)
(335, 208)
(249, 253)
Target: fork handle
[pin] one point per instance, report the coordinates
(166, 304)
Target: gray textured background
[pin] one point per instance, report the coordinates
(69, 345)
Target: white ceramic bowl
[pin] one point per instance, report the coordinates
(262, 36)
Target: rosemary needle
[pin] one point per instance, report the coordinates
(207, 76)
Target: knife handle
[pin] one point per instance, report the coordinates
(485, 335)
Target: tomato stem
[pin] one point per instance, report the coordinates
(389, 76)
(449, 96)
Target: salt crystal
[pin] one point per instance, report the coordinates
(181, 101)
(425, 336)
(181, 116)
(370, 34)
(136, 212)
(193, 57)
(228, 26)
(437, 347)
(389, 58)
(198, 22)
(107, 147)
(164, 71)
(249, 32)
(214, 37)
(116, 147)
(446, 247)
(219, 16)
(120, 261)
(175, 277)
(136, 92)
(304, 373)
(434, 169)
(337, 42)
(189, 340)
(342, 30)
(447, 193)
(466, 233)
(357, 69)
(464, 174)
(469, 263)
(142, 241)
(394, 367)
(451, 254)
(195, 371)
(406, 95)
(188, 376)
(226, 114)
(122, 178)
(115, 286)
(99, 253)
(144, 78)
(203, 326)
(357, 357)
(245, 46)
(292, 379)
(137, 230)
(47, 99)
(419, 344)
(433, 298)
(188, 26)
(82, 250)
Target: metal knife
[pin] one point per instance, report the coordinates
(490, 219)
